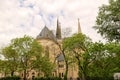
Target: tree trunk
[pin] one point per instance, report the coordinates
(5, 74)
(81, 72)
(66, 73)
(25, 70)
(83, 76)
(66, 62)
(39, 72)
(79, 69)
(24, 78)
(66, 66)
(12, 73)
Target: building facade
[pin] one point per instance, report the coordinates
(51, 43)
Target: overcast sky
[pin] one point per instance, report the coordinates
(20, 17)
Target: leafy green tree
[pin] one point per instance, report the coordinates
(41, 63)
(11, 59)
(47, 66)
(114, 49)
(25, 54)
(68, 58)
(79, 45)
(4, 68)
(105, 60)
(26, 49)
(100, 64)
(108, 20)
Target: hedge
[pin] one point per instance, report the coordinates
(49, 78)
(100, 78)
(10, 78)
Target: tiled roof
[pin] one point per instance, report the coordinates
(60, 57)
(47, 34)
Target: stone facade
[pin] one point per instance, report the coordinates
(50, 42)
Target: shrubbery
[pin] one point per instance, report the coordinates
(10, 78)
(100, 78)
(49, 78)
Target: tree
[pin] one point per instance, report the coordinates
(24, 54)
(106, 60)
(4, 68)
(11, 59)
(108, 21)
(46, 66)
(41, 63)
(26, 49)
(102, 61)
(68, 58)
(114, 50)
(65, 52)
(78, 45)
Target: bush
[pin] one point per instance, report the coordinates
(10, 78)
(100, 78)
(48, 78)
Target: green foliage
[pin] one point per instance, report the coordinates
(44, 65)
(11, 62)
(100, 78)
(36, 48)
(48, 78)
(97, 60)
(9, 53)
(4, 67)
(41, 63)
(76, 41)
(22, 54)
(11, 78)
(47, 66)
(79, 45)
(108, 20)
(105, 60)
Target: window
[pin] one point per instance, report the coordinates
(38, 74)
(62, 75)
(61, 66)
(33, 74)
(22, 74)
(53, 74)
(59, 74)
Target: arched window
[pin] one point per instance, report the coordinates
(59, 74)
(62, 75)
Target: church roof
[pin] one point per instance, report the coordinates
(46, 34)
(60, 57)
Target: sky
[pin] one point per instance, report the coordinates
(28, 17)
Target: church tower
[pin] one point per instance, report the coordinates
(79, 28)
(58, 30)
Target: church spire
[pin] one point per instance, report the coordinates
(58, 30)
(79, 28)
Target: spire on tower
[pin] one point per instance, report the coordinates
(58, 30)
(79, 28)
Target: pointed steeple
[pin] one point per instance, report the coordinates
(58, 30)
(79, 27)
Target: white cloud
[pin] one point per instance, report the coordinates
(20, 17)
